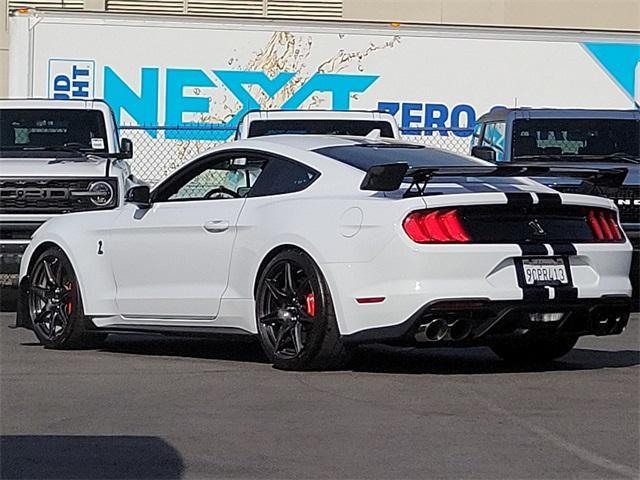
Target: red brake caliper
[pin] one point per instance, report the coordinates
(69, 305)
(311, 304)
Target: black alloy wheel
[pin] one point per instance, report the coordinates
(54, 302)
(295, 316)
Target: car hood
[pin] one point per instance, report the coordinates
(41, 167)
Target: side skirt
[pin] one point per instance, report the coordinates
(178, 331)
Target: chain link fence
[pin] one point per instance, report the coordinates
(453, 139)
(158, 151)
(8, 280)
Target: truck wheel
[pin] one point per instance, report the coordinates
(54, 303)
(296, 320)
(534, 349)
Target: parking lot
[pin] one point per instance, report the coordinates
(148, 407)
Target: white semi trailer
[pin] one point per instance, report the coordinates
(177, 71)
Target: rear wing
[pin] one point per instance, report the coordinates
(390, 177)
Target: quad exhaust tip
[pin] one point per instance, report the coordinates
(439, 329)
(436, 330)
(460, 329)
(606, 325)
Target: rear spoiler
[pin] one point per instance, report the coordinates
(389, 177)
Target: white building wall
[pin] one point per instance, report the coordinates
(576, 14)
(4, 50)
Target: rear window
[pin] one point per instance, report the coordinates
(365, 155)
(359, 128)
(53, 128)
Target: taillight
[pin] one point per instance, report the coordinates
(604, 225)
(435, 226)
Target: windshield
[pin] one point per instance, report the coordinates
(25, 130)
(575, 136)
(358, 128)
(365, 155)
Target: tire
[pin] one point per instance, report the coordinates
(530, 349)
(295, 315)
(54, 304)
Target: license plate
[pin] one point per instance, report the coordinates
(544, 271)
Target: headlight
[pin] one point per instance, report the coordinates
(102, 193)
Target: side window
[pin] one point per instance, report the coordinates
(477, 132)
(210, 179)
(494, 137)
(283, 176)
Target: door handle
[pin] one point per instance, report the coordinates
(216, 226)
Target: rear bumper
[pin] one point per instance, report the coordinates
(481, 321)
(410, 278)
(633, 232)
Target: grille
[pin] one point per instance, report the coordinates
(18, 230)
(626, 197)
(52, 196)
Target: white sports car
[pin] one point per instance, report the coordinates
(317, 244)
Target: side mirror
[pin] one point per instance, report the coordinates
(126, 149)
(140, 195)
(484, 153)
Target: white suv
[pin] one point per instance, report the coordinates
(56, 157)
(359, 123)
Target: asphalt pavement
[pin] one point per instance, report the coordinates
(147, 407)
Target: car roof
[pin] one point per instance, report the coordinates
(48, 103)
(315, 142)
(255, 116)
(315, 114)
(312, 143)
(501, 114)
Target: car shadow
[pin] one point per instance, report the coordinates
(248, 351)
(480, 360)
(378, 358)
(88, 457)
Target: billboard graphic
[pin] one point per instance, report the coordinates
(431, 84)
(71, 79)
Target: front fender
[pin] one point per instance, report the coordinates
(84, 240)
